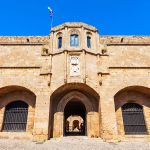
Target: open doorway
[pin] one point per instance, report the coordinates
(75, 118)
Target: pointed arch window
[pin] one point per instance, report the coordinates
(133, 119)
(15, 118)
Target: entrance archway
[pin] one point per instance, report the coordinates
(74, 101)
(74, 118)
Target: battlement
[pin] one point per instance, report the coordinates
(125, 40)
(39, 40)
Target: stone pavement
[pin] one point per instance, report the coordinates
(72, 143)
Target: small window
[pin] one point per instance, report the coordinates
(88, 41)
(74, 40)
(15, 118)
(60, 42)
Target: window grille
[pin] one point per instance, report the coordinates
(15, 119)
(133, 119)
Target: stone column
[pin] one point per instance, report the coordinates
(41, 120)
(108, 115)
(58, 124)
(93, 124)
(66, 39)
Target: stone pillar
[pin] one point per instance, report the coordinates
(93, 124)
(108, 116)
(58, 124)
(2, 112)
(147, 118)
(41, 120)
(120, 125)
(30, 120)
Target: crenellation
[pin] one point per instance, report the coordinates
(125, 40)
(6, 40)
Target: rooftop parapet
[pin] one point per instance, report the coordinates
(74, 25)
(24, 40)
(125, 40)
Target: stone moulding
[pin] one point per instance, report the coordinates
(20, 67)
(119, 67)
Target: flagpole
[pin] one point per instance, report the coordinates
(51, 23)
(51, 15)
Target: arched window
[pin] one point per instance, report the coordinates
(133, 119)
(74, 40)
(88, 41)
(15, 119)
(59, 42)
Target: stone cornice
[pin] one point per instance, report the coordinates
(20, 67)
(130, 67)
(76, 51)
(74, 25)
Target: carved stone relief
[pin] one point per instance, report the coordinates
(74, 65)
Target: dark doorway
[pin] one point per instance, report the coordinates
(74, 119)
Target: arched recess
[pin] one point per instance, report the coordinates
(14, 93)
(137, 95)
(80, 93)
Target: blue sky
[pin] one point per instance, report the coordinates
(110, 17)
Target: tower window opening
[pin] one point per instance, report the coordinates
(60, 42)
(88, 41)
(74, 40)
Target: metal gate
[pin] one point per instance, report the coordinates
(15, 118)
(133, 119)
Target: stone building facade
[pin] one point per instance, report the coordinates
(104, 80)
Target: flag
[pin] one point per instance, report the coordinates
(51, 11)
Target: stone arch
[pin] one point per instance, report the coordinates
(89, 33)
(16, 85)
(75, 95)
(59, 34)
(129, 85)
(132, 94)
(66, 93)
(14, 93)
(74, 31)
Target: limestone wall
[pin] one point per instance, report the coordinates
(110, 65)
